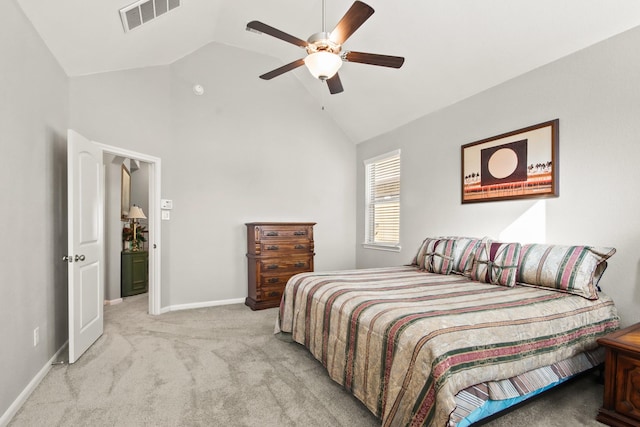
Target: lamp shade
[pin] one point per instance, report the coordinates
(135, 212)
(323, 65)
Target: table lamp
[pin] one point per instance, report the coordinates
(135, 213)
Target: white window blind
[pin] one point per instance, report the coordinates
(382, 176)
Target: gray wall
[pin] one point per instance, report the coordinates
(247, 150)
(34, 112)
(595, 93)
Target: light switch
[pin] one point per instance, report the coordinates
(166, 215)
(166, 204)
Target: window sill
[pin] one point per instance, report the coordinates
(379, 247)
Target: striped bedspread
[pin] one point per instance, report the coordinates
(404, 342)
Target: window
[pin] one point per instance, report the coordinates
(382, 201)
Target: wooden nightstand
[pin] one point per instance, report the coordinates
(621, 407)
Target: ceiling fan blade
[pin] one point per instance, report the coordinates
(288, 67)
(274, 32)
(374, 59)
(335, 85)
(357, 14)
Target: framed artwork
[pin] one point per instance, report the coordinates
(516, 165)
(125, 193)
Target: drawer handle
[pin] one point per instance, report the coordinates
(272, 267)
(272, 233)
(273, 280)
(299, 247)
(273, 248)
(274, 294)
(299, 233)
(299, 264)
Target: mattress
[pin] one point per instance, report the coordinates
(483, 400)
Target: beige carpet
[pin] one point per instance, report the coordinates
(222, 366)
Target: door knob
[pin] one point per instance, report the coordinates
(68, 258)
(79, 258)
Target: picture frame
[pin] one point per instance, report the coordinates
(522, 164)
(125, 193)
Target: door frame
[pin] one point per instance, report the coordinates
(153, 220)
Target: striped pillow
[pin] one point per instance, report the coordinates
(496, 263)
(572, 269)
(418, 259)
(439, 256)
(463, 255)
(435, 255)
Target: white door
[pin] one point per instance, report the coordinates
(85, 186)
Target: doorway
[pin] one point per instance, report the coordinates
(153, 165)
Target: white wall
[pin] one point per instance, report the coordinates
(247, 150)
(595, 93)
(34, 111)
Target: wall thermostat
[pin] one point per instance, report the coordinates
(166, 204)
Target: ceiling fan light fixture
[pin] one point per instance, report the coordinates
(322, 64)
(324, 57)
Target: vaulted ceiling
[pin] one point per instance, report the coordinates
(453, 48)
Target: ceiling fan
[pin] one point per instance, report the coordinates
(324, 50)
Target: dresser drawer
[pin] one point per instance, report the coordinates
(268, 293)
(275, 279)
(290, 247)
(277, 265)
(271, 232)
(272, 280)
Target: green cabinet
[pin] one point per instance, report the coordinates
(134, 275)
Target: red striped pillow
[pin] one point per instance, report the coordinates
(496, 263)
(572, 269)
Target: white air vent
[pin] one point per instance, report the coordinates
(144, 11)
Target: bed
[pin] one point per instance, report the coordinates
(470, 327)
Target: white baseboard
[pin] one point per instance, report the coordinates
(22, 397)
(202, 304)
(113, 301)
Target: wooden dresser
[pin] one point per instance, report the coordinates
(621, 406)
(276, 251)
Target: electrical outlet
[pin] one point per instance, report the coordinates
(36, 336)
